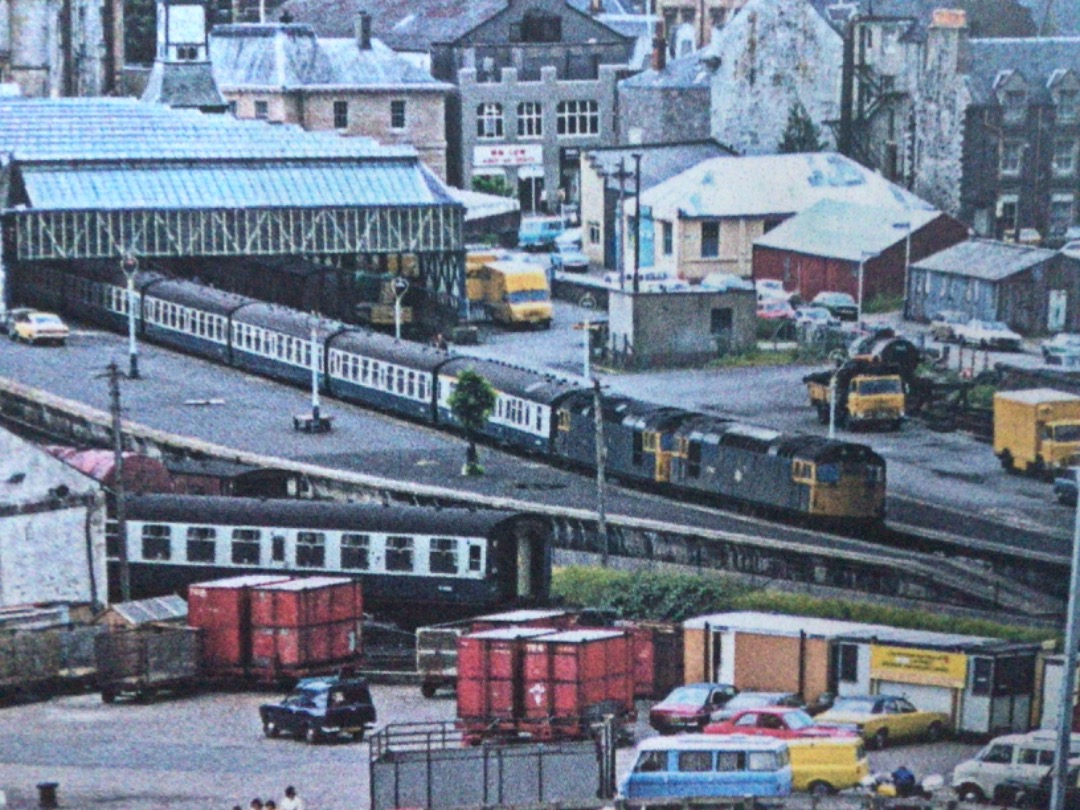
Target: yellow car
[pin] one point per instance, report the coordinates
(882, 719)
(32, 326)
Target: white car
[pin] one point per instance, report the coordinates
(816, 316)
(987, 335)
(725, 282)
(771, 289)
(1062, 349)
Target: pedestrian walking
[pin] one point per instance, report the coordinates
(256, 804)
(292, 800)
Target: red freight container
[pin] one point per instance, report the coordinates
(222, 610)
(307, 601)
(575, 676)
(276, 648)
(489, 674)
(561, 619)
(658, 657)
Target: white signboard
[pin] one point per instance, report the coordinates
(187, 24)
(508, 154)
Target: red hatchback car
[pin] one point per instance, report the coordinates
(691, 707)
(776, 721)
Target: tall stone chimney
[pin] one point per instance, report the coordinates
(659, 48)
(363, 31)
(596, 7)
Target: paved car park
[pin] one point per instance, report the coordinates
(207, 752)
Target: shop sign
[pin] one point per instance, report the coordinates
(910, 665)
(508, 154)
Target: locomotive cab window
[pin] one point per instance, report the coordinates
(356, 551)
(399, 554)
(475, 558)
(310, 549)
(693, 459)
(156, 542)
(245, 546)
(802, 471)
(564, 421)
(201, 545)
(442, 559)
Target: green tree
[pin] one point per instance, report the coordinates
(802, 134)
(472, 402)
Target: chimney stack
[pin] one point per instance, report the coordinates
(363, 31)
(659, 49)
(596, 7)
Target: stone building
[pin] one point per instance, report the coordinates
(52, 529)
(283, 73)
(704, 16)
(998, 131)
(181, 76)
(52, 48)
(669, 103)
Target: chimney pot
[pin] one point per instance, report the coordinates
(363, 31)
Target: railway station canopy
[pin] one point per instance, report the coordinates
(102, 178)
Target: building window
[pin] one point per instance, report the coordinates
(530, 119)
(1064, 156)
(667, 238)
(1008, 205)
(1067, 106)
(847, 669)
(232, 108)
(594, 232)
(1061, 214)
(489, 120)
(156, 542)
(200, 544)
(356, 551)
(262, 110)
(245, 546)
(397, 114)
(399, 554)
(537, 27)
(1011, 154)
(341, 115)
(710, 240)
(578, 117)
(442, 559)
(717, 17)
(1015, 107)
(310, 549)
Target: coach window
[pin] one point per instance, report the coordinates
(277, 548)
(475, 558)
(399, 554)
(356, 551)
(201, 544)
(156, 542)
(310, 549)
(443, 556)
(245, 546)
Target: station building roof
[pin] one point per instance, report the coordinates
(80, 154)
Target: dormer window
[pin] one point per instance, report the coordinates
(1015, 106)
(1068, 105)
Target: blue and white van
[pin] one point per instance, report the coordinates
(707, 765)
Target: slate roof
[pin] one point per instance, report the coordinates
(843, 230)
(984, 259)
(1034, 59)
(685, 72)
(1004, 18)
(658, 161)
(185, 86)
(120, 153)
(156, 609)
(763, 185)
(288, 57)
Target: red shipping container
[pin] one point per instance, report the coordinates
(301, 647)
(307, 601)
(567, 674)
(658, 657)
(560, 619)
(222, 610)
(489, 672)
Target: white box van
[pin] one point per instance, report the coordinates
(1014, 756)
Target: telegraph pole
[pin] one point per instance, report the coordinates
(118, 482)
(601, 457)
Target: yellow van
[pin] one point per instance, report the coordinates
(824, 765)
(514, 292)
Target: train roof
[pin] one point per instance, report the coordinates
(514, 380)
(649, 416)
(286, 321)
(299, 514)
(190, 294)
(822, 450)
(717, 430)
(109, 272)
(383, 347)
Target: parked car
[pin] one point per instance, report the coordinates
(757, 700)
(569, 258)
(690, 707)
(943, 324)
(1034, 794)
(1065, 487)
(840, 304)
(7, 323)
(320, 709)
(1061, 349)
(816, 316)
(771, 289)
(784, 722)
(1020, 757)
(725, 282)
(32, 326)
(882, 719)
(539, 233)
(774, 309)
(987, 335)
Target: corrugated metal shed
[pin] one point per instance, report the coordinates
(984, 259)
(144, 611)
(844, 230)
(775, 624)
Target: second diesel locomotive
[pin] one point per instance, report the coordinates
(835, 483)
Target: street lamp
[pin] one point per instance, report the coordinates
(400, 286)
(906, 225)
(637, 220)
(1068, 677)
(315, 421)
(866, 254)
(130, 266)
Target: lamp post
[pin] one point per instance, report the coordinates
(866, 254)
(637, 221)
(130, 266)
(601, 458)
(400, 286)
(1068, 677)
(620, 237)
(315, 422)
(907, 258)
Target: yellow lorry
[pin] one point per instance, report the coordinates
(868, 393)
(512, 292)
(1037, 430)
